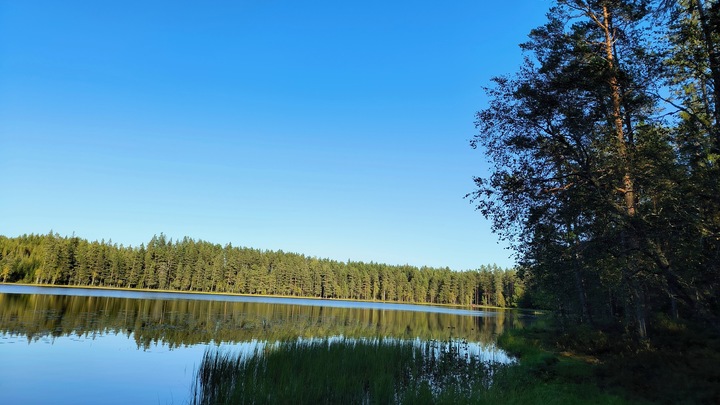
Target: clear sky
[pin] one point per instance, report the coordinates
(334, 129)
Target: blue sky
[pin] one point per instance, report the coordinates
(334, 129)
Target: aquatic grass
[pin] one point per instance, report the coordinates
(345, 371)
(386, 371)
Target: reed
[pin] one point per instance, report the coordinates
(344, 371)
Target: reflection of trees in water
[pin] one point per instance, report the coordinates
(186, 322)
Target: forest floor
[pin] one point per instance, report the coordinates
(678, 364)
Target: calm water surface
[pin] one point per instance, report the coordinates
(85, 346)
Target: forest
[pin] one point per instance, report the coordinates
(190, 265)
(605, 162)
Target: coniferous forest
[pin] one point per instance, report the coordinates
(605, 153)
(191, 265)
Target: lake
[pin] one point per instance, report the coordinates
(89, 346)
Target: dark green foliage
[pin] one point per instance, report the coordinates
(605, 148)
(189, 265)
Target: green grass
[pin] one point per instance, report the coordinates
(387, 372)
(347, 372)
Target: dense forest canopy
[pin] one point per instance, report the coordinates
(605, 148)
(190, 265)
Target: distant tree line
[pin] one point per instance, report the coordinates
(605, 153)
(190, 265)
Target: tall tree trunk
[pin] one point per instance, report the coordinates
(623, 146)
(628, 189)
(602, 17)
(585, 314)
(580, 287)
(639, 301)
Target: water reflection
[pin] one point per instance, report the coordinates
(430, 348)
(118, 347)
(182, 322)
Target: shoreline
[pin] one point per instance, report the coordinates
(290, 297)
